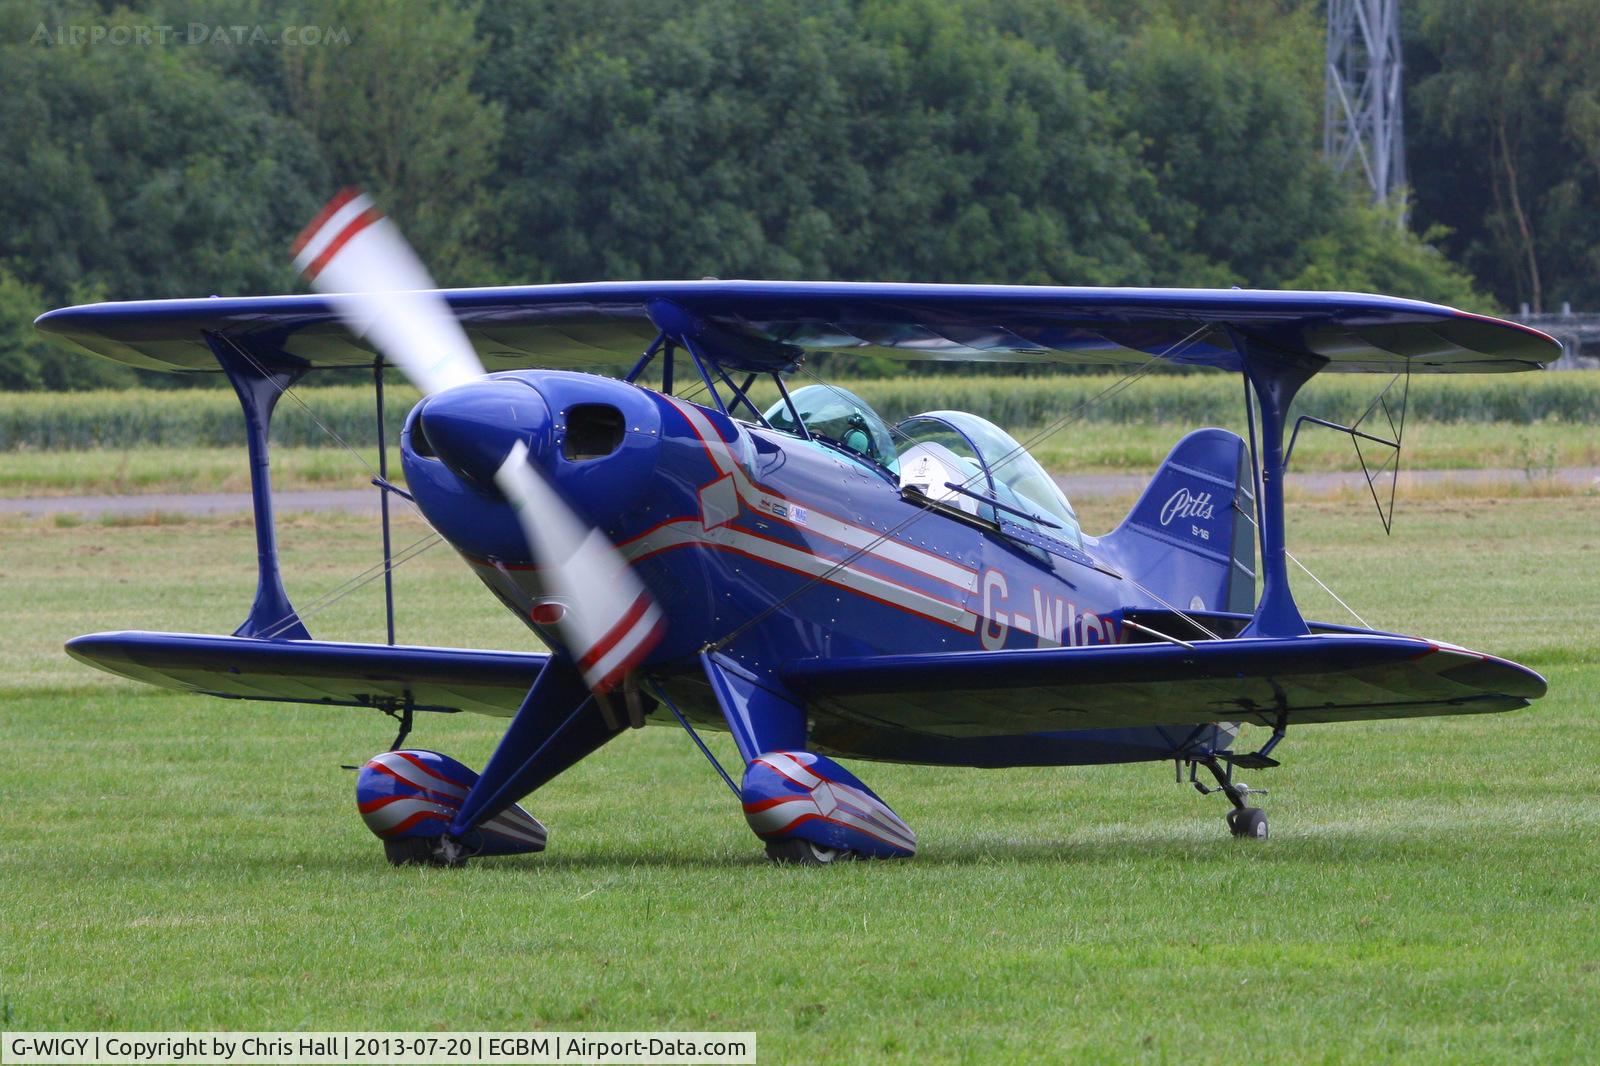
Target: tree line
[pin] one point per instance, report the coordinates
(1099, 142)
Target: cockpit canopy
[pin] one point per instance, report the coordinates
(958, 459)
(995, 477)
(840, 417)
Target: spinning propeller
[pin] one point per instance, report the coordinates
(379, 288)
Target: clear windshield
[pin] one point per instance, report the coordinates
(938, 462)
(1018, 481)
(842, 418)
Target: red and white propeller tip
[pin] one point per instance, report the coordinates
(352, 253)
(381, 291)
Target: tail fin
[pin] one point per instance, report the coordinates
(1190, 538)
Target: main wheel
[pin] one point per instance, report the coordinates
(409, 851)
(1249, 822)
(426, 851)
(803, 853)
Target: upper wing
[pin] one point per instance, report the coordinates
(1323, 678)
(314, 671)
(767, 325)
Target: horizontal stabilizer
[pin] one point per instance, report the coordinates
(1322, 678)
(314, 671)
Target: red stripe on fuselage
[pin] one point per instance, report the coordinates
(874, 533)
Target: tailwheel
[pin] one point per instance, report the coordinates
(1248, 822)
(1243, 821)
(805, 853)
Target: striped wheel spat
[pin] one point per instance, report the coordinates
(796, 794)
(415, 793)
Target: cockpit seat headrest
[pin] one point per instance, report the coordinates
(930, 468)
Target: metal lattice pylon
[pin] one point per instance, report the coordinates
(1362, 123)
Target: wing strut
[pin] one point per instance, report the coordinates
(258, 387)
(1275, 377)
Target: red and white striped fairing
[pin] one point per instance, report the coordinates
(843, 803)
(415, 793)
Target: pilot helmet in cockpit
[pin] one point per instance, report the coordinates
(841, 417)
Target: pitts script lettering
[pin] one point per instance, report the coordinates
(1186, 504)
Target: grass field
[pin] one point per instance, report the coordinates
(1529, 451)
(1429, 892)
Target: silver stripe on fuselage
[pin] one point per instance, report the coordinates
(689, 532)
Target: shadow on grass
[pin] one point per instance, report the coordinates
(1325, 850)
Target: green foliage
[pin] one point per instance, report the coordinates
(392, 112)
(1367, 252)
(28, 361)
(1171, 142)
(1019, 142)
(906, 140)
(1505, 142)
(1230, 136)
(142, 172)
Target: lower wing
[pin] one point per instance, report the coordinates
(1341, 677)
(314, 671)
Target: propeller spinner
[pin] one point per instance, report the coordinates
(379, 288)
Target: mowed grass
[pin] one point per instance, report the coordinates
(1429, 892)
(1529, 451)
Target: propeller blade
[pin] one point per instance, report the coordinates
(611, 622)
(380, 289)
(353, 254)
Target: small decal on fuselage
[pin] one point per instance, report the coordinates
(782, 509)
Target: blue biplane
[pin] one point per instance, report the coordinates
(817, 582)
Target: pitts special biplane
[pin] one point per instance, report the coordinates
(817, 582)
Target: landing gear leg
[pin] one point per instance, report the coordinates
(1244, 820)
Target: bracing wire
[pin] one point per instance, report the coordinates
(1321, 584)
(1326, 589)
(354, 584)
(376, 570)
(1174, 608)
